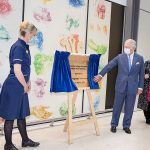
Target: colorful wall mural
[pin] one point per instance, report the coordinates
(98, 43)
(61, 26)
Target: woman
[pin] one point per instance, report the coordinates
(14, 102)
(144, 98)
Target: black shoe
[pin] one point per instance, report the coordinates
(148, 122)
(127, 130)
(10, 147)
(113, 129)
(30, 143)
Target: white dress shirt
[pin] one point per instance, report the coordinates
(131, 58)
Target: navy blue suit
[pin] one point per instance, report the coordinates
(126, 87)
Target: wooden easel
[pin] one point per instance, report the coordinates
(70, 125)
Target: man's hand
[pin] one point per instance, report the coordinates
(1, 120)
(139, 91)
(146, 76)
(97, 78)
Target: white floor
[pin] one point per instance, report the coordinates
(53, 138)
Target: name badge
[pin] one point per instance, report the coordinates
(27, 51)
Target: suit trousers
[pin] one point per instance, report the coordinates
(128, 99)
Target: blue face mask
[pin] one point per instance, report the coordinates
(32, 40)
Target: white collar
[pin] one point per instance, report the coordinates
(131, 56)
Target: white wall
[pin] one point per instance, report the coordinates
(143, 44)
(145, 5)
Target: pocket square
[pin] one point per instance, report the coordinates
(137, 63)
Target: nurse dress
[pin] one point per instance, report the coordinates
(14, 103)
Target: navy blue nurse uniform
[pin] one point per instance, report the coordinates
(14, 103)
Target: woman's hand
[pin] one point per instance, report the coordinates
(146, 76)
(20, 77)
(26, 88)
(29, 85)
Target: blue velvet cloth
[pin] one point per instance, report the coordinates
(93, 70)
(61, 80)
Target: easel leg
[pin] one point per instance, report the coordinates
(73, 103)
(70, 119)
(93, 112)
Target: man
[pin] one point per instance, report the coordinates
(129, 83)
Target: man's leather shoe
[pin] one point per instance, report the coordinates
(10, 147)
(113, 129)
(127, 130)
(30, 143)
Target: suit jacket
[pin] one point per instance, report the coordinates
(127, 81)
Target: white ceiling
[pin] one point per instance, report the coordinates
(122, 2)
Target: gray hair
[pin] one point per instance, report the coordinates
(132, 42)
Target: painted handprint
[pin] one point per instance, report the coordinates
(71, 43)
(39, 87)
